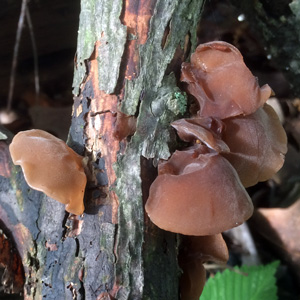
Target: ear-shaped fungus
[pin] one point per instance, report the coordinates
(257, 145)
(211, 248)
(125, 125)
(197, 194)
(196, 250)
(219, 79)
(192, 280)
(50, 166)
(204, 130)
(254, 144)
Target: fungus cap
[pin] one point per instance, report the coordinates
(50, 166)
(254, 144)
(221, 82)
(195, 250)
(197, 194)
(257, 145)
(207, 248)
(192, 281)
(198, 129)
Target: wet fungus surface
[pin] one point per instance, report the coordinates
(235, 140)
(257, 145)
(219, 79)
(194, 251)
(50, 166)
(196, 189)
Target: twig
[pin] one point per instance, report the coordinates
(15, 55)
(242, 236)
(35, 56)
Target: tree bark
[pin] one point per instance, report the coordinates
(128, 55)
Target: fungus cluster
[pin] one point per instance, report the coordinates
(234, 141)
(50, 166)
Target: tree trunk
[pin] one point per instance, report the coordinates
(128, 58)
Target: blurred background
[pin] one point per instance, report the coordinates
(55, 27)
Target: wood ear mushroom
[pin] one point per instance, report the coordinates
(50, 166)
(194, 251)
(202, 195)
(236, 141)
(221, 82)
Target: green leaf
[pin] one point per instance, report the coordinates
(245, 283)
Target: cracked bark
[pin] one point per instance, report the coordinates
(127, 55)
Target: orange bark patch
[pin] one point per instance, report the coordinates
(12, 279)
(136, 16)
(20, 233)
(100, 127)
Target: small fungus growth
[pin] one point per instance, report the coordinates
(125, 125)
(194, 251)
(50, 166)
